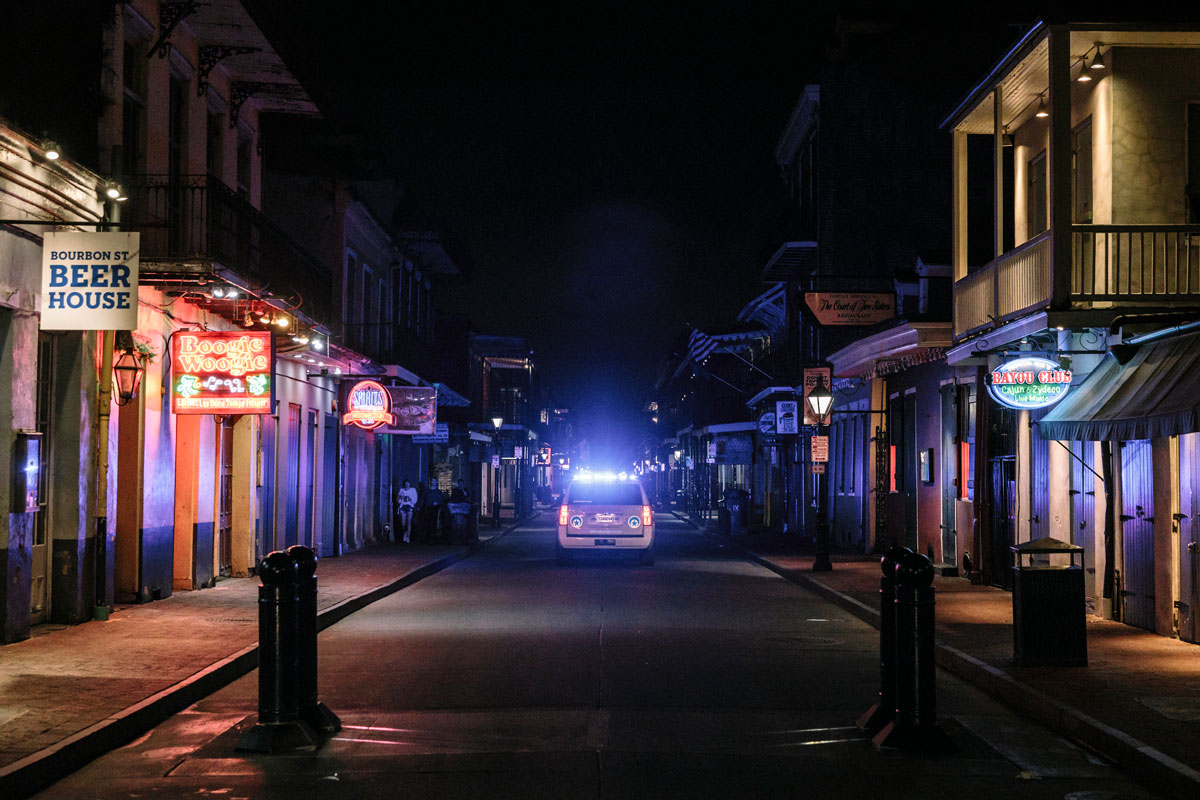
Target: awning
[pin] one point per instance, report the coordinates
(1155, 394)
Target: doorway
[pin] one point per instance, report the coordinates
(1137, 527)
(39, 598)
(1188, 524)
(225, 497)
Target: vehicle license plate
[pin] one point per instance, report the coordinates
(602, 542)
(605, 519)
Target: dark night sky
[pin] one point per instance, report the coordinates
(608, 169)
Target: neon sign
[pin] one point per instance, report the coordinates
(369, 406)
(1029, 382)
(222, 372)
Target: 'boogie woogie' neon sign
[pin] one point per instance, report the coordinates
(368, 405)
(1029, 382)
(221, 372)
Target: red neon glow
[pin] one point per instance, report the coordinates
(892, 468)
(964, 468)
(369, 405)
(222, 372)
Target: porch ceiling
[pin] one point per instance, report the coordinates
(1025, 73)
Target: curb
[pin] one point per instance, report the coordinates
(1149, 764)
(36, 771)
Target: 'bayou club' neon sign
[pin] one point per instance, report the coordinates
(368, 405)
(222, 372)
(1029, 382)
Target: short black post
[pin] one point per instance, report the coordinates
(915, 724)
(279, 728)
(884, 709)
(312, 710)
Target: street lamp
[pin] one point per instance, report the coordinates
(820, 403)
(128, 373)
(496, 423)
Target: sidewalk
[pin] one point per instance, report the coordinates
(1137, 702)
(73, 693)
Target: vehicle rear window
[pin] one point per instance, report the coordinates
(609, 494)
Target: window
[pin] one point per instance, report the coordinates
(216, 144)
(348, 310)
(1081, 173)
(177, 128)
(133, 133)
(381, 300)
(1193, 163)
(245, 142)
(1036, 219)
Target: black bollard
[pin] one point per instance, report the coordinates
(312, 710)
(279, 728)
(884, 709)
(915, 724)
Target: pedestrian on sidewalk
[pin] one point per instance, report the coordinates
(459, 493)
(406, 501)
(429, 511)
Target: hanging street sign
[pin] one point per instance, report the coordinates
(368, 405)
(851, 308)
(89, 281)
(440, 435)
(222, 372)
(766, 423)
(820, 448)
(415, 410)
(1029, 382)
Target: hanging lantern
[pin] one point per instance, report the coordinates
(127, 373)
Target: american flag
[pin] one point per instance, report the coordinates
(700, 346)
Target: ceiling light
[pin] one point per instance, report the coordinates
(1084, 75)
(50, 150)
(217, 292)
(113, 191)
(231, 292)
(282, 321)
(1042, 112)
(1097, 61)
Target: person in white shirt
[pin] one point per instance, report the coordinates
(406, 498)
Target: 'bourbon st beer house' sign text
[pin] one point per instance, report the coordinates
(222, 372)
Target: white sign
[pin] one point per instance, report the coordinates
(820, 449)
(89, 281)
(440, 435)
(766, 423)
(518, 452)
(785, 417)
(495, 462)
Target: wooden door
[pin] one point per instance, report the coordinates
(1188, 524)
(1137, 527)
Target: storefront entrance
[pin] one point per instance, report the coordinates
(225, 497)
(39, 599)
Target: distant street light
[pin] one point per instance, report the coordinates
(496, 423)
(820, 403)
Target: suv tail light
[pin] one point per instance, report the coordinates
(562, 515)
(647, 517)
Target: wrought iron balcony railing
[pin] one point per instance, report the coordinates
(1110, 264)
(195, 223)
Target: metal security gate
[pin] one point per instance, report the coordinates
(1039, 494)
(1188, 525)
(225, 498)
(1083, 513)
(39, 597)
(949, 469)
(882, 485)
(1137, 526)
(308, 476)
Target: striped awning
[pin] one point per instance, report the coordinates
(1155, 393)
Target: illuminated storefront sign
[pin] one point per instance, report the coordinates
(222, 372)
(368, 405)
(415, 408)
(1029, 382)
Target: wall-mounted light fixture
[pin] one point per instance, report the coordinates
(50, 150)
(1042, 112)
(111, 190)
(1097, 61)
(127, 373)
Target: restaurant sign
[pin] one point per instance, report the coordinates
(851, 308)
(368, 405)
(1029, 382)
(222, 372)
(89, 281)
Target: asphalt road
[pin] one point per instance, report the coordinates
(507, 675)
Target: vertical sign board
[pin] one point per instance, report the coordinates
(786, 420)
(811, 374)
(89, 281)
(222, 372)
(820, 449)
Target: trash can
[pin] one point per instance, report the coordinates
(460, 523)
(737, 501)
(1049, 604)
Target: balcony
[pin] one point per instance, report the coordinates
(1111, 266)
(195, 224)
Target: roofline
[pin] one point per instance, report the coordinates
(998, 70)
